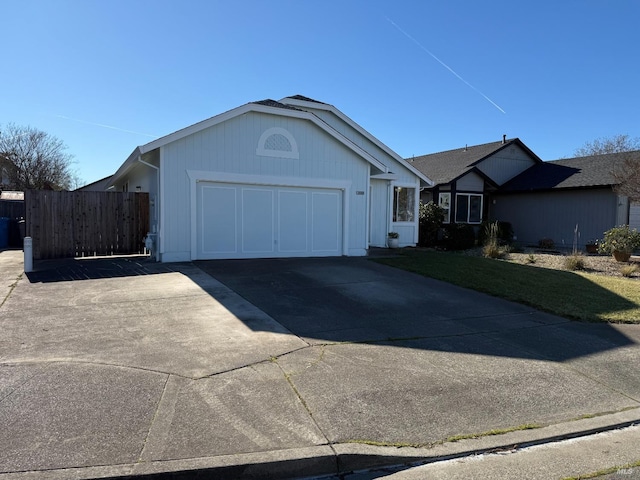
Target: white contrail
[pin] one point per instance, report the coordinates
(106, 126)
(443, 64)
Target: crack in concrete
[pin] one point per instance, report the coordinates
(12, 288)
(141, 455)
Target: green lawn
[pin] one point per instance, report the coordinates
(573, 295)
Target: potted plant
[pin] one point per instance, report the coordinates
(393, 239)
(592, 246)
(620, 242)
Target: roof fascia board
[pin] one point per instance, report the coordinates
(249, 107)
(125, 167)
(499, 191)
(515, 141)
(475, 170)
(330, 108)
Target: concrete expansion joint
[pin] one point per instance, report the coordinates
(51, 361)
(152, 424)
(288, 378)
(11, 289)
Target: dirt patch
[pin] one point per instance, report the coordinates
(597, 264)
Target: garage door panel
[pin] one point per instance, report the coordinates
(220, 210)
(326, 222)
(263, 221)
(293, 221)
(257, 220)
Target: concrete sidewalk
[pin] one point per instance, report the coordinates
(121, 367)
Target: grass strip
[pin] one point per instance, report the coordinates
(620, 469)
(580, 296)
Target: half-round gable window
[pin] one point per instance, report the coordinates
(277, 142)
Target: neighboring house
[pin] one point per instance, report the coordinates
(97, 186)
(551, 198)
(288, 178)
(7, 169)
(465, 178)
(12, 196)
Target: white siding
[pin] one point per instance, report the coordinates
(506, 164)
(403, 173)
(404, 177)
(379, 215)
(230, 147)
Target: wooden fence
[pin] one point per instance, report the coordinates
(86, 224)
(14, 209)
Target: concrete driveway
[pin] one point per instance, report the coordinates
(281, 368)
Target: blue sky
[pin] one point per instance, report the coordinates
(422, 76)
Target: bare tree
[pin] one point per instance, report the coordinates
(33, 159)
(627, 170)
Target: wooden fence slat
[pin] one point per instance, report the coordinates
(68, 224)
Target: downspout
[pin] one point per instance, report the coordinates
(154, 234)
(389, 212)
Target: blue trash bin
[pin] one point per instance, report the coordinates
(4, 232)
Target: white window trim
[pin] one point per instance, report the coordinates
(263, 152)
(415, 203)
(448, 216)
(469, 207)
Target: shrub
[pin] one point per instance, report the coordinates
(546, 243)
(504, 232)
(492, 248)
(495, 251)
(531, 258)
(516, 247)
(620, 239)
(431, 219)
(459, 236)
(629, 270)
(574, 262)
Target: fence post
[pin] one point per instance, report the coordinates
(28, 254)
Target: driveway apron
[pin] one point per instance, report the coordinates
(124, 366)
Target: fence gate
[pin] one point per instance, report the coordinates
(86, 224)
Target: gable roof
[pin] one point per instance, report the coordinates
(580, 172)
(263, 106)
(445, 167)
(301, 101)
(101, 184)
(287, 107)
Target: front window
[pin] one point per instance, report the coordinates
(404, 204)
(445, 203)
(468, 208)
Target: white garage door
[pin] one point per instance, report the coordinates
(255, 221)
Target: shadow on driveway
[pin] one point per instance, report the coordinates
(355, 300)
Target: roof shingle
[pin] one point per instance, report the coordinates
(444, 167)
(580, 172)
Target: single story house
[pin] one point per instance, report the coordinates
(465, 178)
(506, 181)
(549, 199)
(97, 186)
(288, 178)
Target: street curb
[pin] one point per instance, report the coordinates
(327, 460)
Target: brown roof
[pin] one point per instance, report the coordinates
(444, 167)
